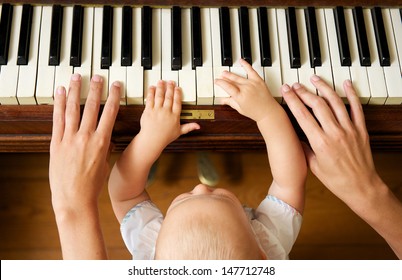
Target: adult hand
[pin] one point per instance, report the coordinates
(78, 165)
(341, 158)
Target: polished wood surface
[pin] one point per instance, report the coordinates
(28, 128)
(330, 230)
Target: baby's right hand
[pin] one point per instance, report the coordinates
(249, 96)
(160, 121)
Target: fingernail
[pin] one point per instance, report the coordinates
(315, 78)
(76, 77)
(60, 90)
(116, 84)
(348, 83)
(286, 88)
(296, 86)
(97, 78)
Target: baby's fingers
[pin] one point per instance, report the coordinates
(188, 127)
(228, 86)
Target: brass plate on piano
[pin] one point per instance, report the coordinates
(197, 115)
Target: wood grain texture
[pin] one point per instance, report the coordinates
(28, 129)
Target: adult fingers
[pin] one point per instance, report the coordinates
(92, 104)
(320, 108)
(110, 111)
(356, 109)
(59, 109)
(334, 101)
(306, 121)
(73, 104)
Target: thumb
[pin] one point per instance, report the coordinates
(310, 157)
(230, 102)
(188, 127)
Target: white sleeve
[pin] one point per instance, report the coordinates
(277, 226)
(140, 228)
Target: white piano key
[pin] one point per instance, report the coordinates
(64, 70)
(204, 74)
(236, 48)
(219, 93)
(187, 74)
(358, 73)
(325, 70)
(305, 71)
(45, 79)
(340, 73)
(152, 76)
(27, 75)
(254, 41)
(96, 54)
(397, 26)
(116, 71)
(375, 72)
(167, 73)
(393, 72)
(289, 75)
(135, 73)
(9, 73)
(273, 74)
(86, 57)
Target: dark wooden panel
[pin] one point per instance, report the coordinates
(28, 128)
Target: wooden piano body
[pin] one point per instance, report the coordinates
(27, 128)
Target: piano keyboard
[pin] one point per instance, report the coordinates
(41, 46)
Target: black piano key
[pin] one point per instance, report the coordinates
(381, 37)
(25, 35)
(244, 27)
(196, 37)
(127, 37)
(226, 37)
(76, 36)
(5, 32)
(313, 38)
(107, 37)
(342, 35)
(146, 37)
(55, 35)
(176, 38)
(361, 36)
(293, 39)
(263, 31)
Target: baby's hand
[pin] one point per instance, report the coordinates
(160, 121)
(250, 97)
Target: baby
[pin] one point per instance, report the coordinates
(208, 223)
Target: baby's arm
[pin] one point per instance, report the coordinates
(251, 98)
(160, 125)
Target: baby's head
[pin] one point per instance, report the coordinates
(206, 224)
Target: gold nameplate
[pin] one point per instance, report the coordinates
(197, 115)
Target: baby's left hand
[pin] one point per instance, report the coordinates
(160, 121)
(249, 96)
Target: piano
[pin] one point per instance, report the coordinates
(138, 42)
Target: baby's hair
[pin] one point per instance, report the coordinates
(204, 239)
